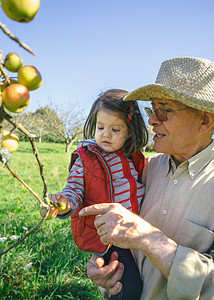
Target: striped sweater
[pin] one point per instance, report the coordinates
(122, 171)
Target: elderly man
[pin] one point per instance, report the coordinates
(173, 235)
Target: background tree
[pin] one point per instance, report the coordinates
(53, 124)
(47, 124)
(73, 119)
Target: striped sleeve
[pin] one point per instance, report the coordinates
(74, 189)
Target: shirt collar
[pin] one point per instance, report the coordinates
(199, 161)
(196, 163)
(171, 165)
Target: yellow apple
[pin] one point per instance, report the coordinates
(10, 141)
(52, 213)
(13, 62)
(62, 204)
(20, 10)
(16, 97)
(30, 77)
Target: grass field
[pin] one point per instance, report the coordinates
(47, 265)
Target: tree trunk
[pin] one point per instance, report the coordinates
(40, 135)
(67, 148)
(69, 144)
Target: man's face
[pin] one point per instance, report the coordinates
(180, 134)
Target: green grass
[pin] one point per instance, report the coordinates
(57, 268)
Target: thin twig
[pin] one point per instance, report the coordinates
(35, 152)
(24, 183)
(7, 79)
(27, 234)
(13, 37)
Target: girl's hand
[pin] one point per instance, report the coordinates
(61, 202)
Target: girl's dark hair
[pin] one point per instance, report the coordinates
(113, 100)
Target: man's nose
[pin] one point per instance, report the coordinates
(153, 119)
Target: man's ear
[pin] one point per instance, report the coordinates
(207, 121)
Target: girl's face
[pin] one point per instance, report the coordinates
(111, 130)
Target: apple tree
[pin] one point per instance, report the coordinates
(15, 97)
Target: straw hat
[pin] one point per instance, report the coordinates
(189, 80)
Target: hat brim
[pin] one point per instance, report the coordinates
(158, 91)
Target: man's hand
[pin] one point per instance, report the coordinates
(122, 228)
(107, 276)
(116, 225)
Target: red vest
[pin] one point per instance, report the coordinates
(98, 189)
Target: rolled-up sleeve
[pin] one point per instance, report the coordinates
(191, 276)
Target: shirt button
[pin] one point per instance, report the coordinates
(192, 175)
(175, 181)
(164, 211)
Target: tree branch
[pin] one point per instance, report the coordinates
(13, 37)
(4, 115)
(24, 183)
(27, 234)
(7, 79)
(35, 152)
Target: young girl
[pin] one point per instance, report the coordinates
(106, 167)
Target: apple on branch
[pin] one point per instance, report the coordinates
(13, 62)
(30, 77)
(52, 213)
(16, 97)
(10, 141)
(21, 10)
(61, 202)
(61, 205)
(4, 84)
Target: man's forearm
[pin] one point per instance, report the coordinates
(158, 248)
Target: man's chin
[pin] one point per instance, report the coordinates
(158, 148)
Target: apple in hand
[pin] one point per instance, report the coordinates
(52, 213)
(20, 10)
(16, 97)
(62, 203)
(10, 141)
(30, 77)
(13, 62)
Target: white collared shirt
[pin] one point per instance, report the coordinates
(180, 202)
